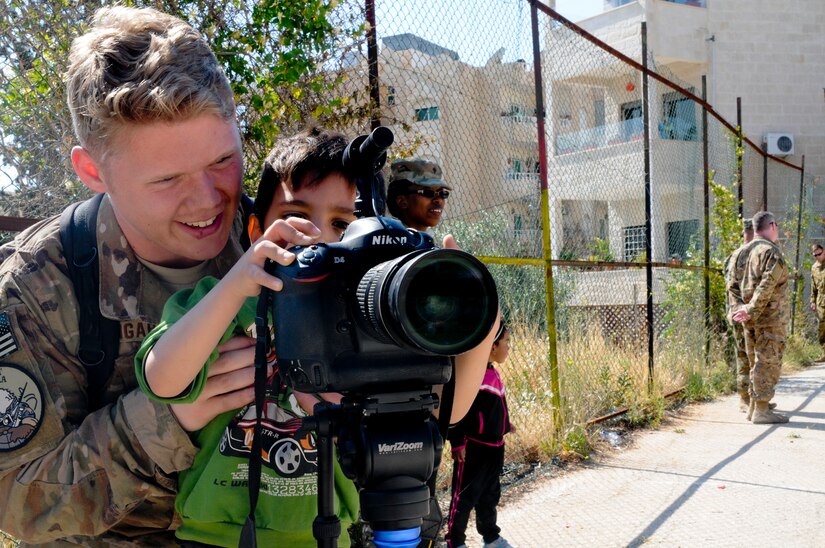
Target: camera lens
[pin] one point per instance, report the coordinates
(441, 301)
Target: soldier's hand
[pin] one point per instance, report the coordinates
(741, 316)
(229, 385)
(813, 307)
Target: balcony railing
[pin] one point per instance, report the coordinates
(601, 136)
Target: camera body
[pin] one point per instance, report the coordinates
(368, 314)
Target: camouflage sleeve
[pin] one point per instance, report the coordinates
(814, 288)
(64, 471)
(772, 266)
(732, 283)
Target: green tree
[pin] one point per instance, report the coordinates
(289, 61)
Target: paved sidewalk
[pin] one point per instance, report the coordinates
(706, 478)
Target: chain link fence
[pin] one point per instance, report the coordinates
(646, 188)
(604, 197)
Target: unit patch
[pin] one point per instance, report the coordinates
(21, 407)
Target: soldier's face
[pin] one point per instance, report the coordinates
(419, 211)
(175, 187)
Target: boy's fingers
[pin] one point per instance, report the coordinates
(236, 343)
(294, 231)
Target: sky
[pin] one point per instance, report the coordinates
(475, 29)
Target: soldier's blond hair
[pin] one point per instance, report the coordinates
(762, 220)
(139, 66)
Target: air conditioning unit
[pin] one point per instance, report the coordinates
(779, 144)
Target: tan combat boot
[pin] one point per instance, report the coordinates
(744, 402)
(763, 415)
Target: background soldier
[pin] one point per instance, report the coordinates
(417, 193)
(743, 367)
(818, 293)
(765, 312)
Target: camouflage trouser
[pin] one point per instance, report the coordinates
(743, 366)
(820, 316)
(765, 346)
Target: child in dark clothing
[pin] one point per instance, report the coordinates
(478, 453)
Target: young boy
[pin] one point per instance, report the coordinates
(306, 194)
(478, 452)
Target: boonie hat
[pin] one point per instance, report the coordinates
(419, 172)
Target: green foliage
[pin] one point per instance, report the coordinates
(287, 61)
(577, 442)
(704, 386)
(646, 412)
(600, 251)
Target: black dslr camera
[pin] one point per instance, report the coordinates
(382, 309)
(377, 317)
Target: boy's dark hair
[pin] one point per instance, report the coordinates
(302, 160)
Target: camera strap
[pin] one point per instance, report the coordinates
(248, 538)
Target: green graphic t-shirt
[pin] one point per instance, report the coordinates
(213, 498)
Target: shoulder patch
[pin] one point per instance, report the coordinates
(8, 343)
(21, 407)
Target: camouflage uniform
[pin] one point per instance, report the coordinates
(764, 292)
(733, 301)
(69, 473)
(818, 298)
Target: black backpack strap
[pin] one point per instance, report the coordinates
(247, 207)
(99, 336)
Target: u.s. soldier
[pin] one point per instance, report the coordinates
(733, 300)
(818, 292)
(764, 313)
(154, 116)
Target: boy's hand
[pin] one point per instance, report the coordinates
(459, 454)
(248, 275)
(229, 385)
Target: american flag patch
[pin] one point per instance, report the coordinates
(8, 343)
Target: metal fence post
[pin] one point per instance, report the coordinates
(706, 192)
(739, 157)
(798, 243)
(648, 209)
(372, 63)
(550, 301)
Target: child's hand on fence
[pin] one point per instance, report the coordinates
(459, 454)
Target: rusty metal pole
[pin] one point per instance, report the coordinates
(372, 65)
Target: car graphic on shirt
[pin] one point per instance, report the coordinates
(285, 449)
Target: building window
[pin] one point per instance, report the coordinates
(518, 226)
(632, 121)
(634, 242)
(678, 117)
(679, 234)
(427, 113)
(390, 96)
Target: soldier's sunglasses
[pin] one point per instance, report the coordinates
(818, 253)
(430, 193)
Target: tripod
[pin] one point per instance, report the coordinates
(388, 444)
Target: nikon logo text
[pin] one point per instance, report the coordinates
(383, 239)
(400, 447)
